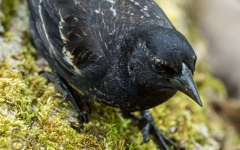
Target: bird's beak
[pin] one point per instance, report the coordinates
(185, 84)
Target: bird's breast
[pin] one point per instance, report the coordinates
(119, 93)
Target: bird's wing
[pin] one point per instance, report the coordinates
(70, 45)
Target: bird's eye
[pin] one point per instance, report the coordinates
(158, 67)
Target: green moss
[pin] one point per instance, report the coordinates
(9, 8)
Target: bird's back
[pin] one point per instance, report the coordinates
(102, 24)
(84, 41)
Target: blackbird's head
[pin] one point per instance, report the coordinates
(163, 62)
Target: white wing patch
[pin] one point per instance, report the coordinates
(114, 11)
(136, 3)
(111, 1)
(67, 56)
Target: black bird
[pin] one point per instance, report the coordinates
(123, 53)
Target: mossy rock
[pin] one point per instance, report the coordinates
(31, 116)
